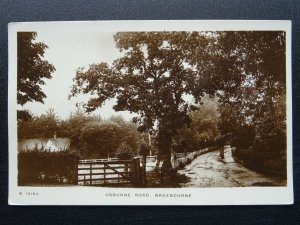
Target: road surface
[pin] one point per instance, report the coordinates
(209, 170)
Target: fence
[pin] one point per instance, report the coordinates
(114, 171)
(180, 155)
(183, 159)
(103, 172)
(98, 160)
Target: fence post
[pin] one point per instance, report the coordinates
(140, 175)
(126, 169)
(222, 152)
(134, 172)
(91, 174)
(76, 174)
(104, 170)
(144, 171)
(137, 172)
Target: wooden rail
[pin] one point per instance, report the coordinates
(98, 160)
(98, 172)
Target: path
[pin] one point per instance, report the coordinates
(208, 170)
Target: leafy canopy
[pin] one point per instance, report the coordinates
(32, 68)
(252, 67)
(155, 75)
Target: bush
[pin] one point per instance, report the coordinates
(261, 160)
(102, 139)
(188, 161)
(180, 165)
(124, 152)
(44, 167)
(243, 137)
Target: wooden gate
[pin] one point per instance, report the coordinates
(100, 172)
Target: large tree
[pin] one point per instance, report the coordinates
(252, 70)
(154, 77)
(32, 68)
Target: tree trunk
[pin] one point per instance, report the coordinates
(165, 156)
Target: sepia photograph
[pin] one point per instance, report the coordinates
(141, 112)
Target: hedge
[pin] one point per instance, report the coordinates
(45, 167)
(262, 161)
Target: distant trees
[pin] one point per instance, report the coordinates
(109, 138)
(90, 135)
(43, 126)
(125, 152)
(99, 139)
(73, 125)
(32, 69)
(203, 127)
(105, 138)
(205, 120)
(130, 135)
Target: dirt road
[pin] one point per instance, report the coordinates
(209, 170)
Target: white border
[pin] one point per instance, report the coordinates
(98, 195)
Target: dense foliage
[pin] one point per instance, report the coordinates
(90, 135)
(203, 127)
(43, 167)
(73, 125)
(104, 139)
(252, 67)
(43, 126)
(32, 70)
(125, 152)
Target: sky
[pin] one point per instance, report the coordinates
(67, 51)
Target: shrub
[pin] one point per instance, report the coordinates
(188, 161)
(262, 161)
(100, 139)
(37, 167)
(124, 152)
(181, 165)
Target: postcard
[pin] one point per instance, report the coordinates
(186, 112)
